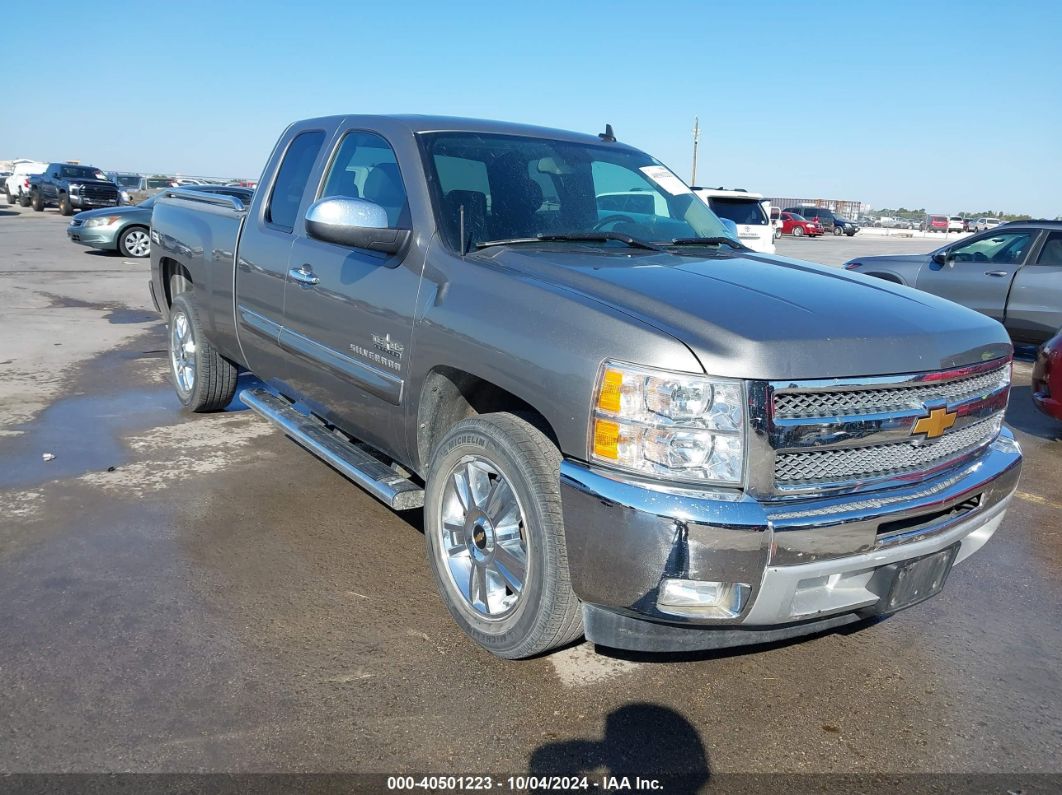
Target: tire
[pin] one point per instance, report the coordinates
(10, 199)
(203, 378)
(517, 615)
(135, 242)
(23, 200)
(65, 208)
(837, 231)
(37, 202)
(797, 231)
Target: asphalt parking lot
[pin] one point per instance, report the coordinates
(199, 594)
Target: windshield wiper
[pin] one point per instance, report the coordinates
(707, 241)
(589, 237)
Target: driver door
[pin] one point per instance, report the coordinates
(977, 273)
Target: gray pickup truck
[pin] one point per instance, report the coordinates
(1012, 273)
(623, 425)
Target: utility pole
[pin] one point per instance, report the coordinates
(696, 139)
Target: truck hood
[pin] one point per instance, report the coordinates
(751, 316)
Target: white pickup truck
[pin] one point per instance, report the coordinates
(746, 210)
(16, 186)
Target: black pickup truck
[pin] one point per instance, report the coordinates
(71, 187)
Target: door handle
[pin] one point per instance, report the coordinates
(996, 273)
(304, 275)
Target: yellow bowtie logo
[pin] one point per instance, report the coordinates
(934, 425)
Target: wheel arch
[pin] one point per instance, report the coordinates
(450, 395)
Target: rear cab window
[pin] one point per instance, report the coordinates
(290, 183)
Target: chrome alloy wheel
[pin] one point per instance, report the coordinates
(182, 352)
(137, 242)
(482, 537)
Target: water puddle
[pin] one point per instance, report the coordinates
(84, 434)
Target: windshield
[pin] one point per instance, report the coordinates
(740, 211)
(511, 187)
(80, 172)
(159, 182)
(128, 180)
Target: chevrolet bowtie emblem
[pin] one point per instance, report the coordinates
(934, 425)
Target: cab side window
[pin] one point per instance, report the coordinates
(1007, 248)
(365, 167)
(1051, 253)
(291, 179)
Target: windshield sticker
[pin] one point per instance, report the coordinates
(665, 179)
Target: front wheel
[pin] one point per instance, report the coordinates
(204, 379)
(797, 231)
(837, 231)
(495, 536)
(65, 208)
(10, 198)
(134, 242)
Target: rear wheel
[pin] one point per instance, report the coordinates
(23, 200)
(495, 536)
(134, 242)
(797, 231)
(10, 198)
(204, 379)
(37, 201)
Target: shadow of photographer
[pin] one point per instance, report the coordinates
(643, 741)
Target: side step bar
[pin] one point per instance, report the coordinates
(371, 474)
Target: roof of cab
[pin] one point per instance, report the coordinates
(413, 123)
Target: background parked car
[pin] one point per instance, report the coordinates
(1047, 377)
(1012, 274)
(984, 224)
(969, 224)
(798, 226)
(127, 229)
(827, 219)
(132, 187)
(935, 223)
(746, 210)
(16, 187)
(955, 223)
(69, 186)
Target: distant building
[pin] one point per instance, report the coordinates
(842, 207)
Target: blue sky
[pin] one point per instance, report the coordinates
(947, 106)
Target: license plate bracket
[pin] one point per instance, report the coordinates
(917, 579)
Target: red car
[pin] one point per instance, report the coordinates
(1047, 377)
(935, 223)
(798, 226)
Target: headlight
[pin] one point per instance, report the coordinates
(75, 188)
(679, 426)
(106, 221)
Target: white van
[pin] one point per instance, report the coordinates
(747, 211)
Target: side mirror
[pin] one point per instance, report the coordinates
(357, 223)
(941, 258)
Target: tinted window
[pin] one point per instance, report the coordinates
(1051, 253)
(80, 172)
(291, 179)
(501, 187)
(365, 168)
(740, 211)
(1004, 249)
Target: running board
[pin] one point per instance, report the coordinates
(368, 472)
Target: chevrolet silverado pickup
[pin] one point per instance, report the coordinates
(620, 423)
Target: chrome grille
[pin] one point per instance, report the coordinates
(794, 405)
(898, 458)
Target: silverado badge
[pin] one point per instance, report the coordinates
(935, 423)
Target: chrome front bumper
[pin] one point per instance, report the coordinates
(803, 561)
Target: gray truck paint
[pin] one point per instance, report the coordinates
(1025, 296)
(537, 322)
